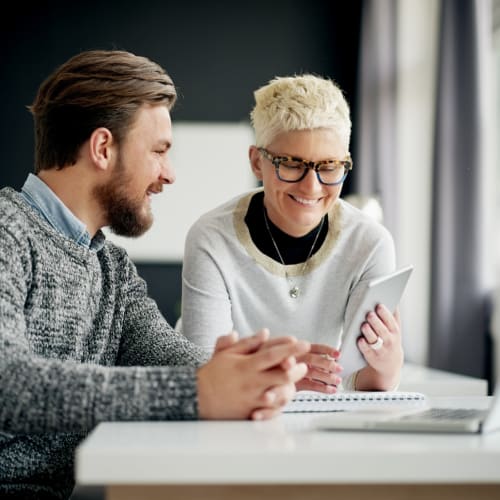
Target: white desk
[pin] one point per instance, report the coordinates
(286, 458)
(417, 378)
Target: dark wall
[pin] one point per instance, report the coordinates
(217, 52)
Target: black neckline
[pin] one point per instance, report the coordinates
(293, 250)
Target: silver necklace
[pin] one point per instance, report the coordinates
(294, 291)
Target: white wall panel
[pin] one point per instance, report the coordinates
(211, 166)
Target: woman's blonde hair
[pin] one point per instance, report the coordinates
(300, 102)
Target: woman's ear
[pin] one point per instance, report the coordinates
(255, 161)
(100, 147)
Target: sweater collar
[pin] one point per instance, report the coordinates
(57, 214)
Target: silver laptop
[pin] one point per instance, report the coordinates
(426, 419)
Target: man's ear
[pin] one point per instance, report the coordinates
(255, 161)
(100, 147)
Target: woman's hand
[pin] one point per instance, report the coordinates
(380, 344)
(322, 369)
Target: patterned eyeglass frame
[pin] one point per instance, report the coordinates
(311, 165)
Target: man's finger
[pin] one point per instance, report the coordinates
(264, 413)
(276, 354)
(250, 344)
(225, 341)
(277, 377)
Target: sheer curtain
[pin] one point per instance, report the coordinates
(456, 292)
(393, 154)
(376, 170)
(459, 339)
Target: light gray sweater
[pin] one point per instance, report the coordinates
(229, 283)
(80, 343)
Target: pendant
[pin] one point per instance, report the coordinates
(294, 292)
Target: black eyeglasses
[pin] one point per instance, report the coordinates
(292, 169)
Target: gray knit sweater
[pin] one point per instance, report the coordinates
(80, 343)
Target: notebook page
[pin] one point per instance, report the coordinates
(312, 402)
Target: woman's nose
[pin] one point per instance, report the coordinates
(310, 181)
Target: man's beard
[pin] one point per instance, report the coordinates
(125, 215)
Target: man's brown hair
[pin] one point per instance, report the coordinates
(97, 88)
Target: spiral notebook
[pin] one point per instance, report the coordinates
(316, 402)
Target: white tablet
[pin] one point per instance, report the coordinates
(385, 290)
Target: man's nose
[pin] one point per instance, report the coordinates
(167, 173)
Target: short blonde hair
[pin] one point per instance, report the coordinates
(300, 102)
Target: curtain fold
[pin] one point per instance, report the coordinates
(376, 169)
(459, 299)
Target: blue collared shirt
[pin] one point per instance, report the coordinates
(57, 214)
